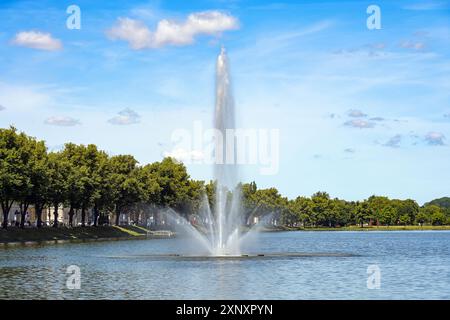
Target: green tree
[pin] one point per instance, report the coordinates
(321, 209)
(128, 184)
(39, 177)
(85, 162)
(103, 195)
(14, 182)
(362, 212)
(422, 217)
(173, 181)
(58, 172)
(302, 207)
(438, 217)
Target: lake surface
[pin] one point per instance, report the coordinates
(412, 265)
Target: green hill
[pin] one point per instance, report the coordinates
(441, 202)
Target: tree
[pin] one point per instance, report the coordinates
(32, 164)
(85, 161)
(269, 202)
(58, 172)
(127, 182)
(362, 212)
(40, 179)
(174, 183)
(248, 191)
(437, 215)
(103, 194)
(422, 217)
(433, 214)
(377, 206)
(13, 180)
(387, 215)
(302, 207)
(342, 212)
(321, 209)
(441, 202)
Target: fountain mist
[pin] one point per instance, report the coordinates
(218, 230)
(227, 215)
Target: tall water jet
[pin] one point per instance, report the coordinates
(218, 230)
(225, 169)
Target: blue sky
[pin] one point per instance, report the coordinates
(360, 111)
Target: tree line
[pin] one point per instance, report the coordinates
(82, 178)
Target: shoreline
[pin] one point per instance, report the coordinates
(369, 229)
(15, 237)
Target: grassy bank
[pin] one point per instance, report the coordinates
(46, 234)
(62, 234)
(372, 228)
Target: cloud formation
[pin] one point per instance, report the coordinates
(349, 150)
(169, 32)
(359, 123)
(394, 142)
(181, 154)
(354, 113)
(435, 139)
(2, 107)
(377, 119)
(62, 121)
(37, 40)
(415, 45)
(125, 117)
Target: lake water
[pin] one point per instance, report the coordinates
(412, 265)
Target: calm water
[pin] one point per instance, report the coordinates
(413, 265)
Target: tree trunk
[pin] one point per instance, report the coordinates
(55, 214)
(39, 216)
(5, 219)
(71, 213)
(6, 208)
(22, 220)
(117, 216)
(96, 214)
(23, 211)
(83, 216)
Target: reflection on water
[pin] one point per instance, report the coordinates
(414, 265)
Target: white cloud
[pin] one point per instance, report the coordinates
(125, 117)
(356, 113)
(415, 45)
(62, 121)
(379, 45)
(184, 155)
(2, 107)
(37, 40)
(134, 32)
(394, 142)
(169, 32)
(359, 123)
(435, 138)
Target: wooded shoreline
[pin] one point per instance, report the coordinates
(48, 235)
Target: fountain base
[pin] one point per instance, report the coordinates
(243, 256)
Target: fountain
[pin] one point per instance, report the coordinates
(216, 234)
(219, 230)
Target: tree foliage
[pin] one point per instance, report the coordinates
(84, 178)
